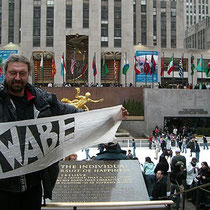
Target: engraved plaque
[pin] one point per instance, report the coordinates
(100, 181)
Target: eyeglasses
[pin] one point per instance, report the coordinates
(14, 73)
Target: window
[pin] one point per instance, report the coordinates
(68, 13)
(117, 23)
(11, 21)
(85, 13)
(50, 23)
(36, 23)
(104, 23)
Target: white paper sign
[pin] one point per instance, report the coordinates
(31, 145)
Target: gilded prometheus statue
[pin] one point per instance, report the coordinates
(80, 101)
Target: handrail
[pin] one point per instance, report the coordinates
(109, 204)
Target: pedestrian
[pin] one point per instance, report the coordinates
(130, 156)
(184, 145)
(197, 150)
(162, 166)
(157, 148)
(177, 178)
(150, 141)
(178, 158)
(192, 146)
(87, 150)
(192, 172)
(203, 178)
(112, 151)
(149, 167)
(205, 143)
(159, 190)
(134, 148)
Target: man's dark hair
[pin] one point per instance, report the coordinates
(18, 58)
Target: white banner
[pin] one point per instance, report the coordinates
(32, 145)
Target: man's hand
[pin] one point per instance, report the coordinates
(124, 113)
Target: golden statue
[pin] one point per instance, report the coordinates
(80, 101)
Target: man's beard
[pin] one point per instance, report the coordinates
(16, 86)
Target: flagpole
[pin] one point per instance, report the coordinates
(173, 70)
(192, 60)
(63, 71)
(163, 68)
(134, 71)
(95, 64)
(183, 69)
(74, 57)
(152, 72)
(42, 73)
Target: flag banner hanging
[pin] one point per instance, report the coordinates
(42, 65)
(200, 67)
(63, 66)
(192, 65)
(32, 145)
(170, 66)
(140, 57)
(181, 67)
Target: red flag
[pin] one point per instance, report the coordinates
(84, 68)
(162, 66)
(153, 66)
(115, 68)
(94, 66)
(54, 71)
(73, 63)
(146, 66)
(135, 65)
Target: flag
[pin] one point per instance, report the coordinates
(181, 68)
(115, 68)
(54, 71)
(200, 66)
(1, 70)
(162, 66)
(63, 65)
(170, 65)
(207, 69)
(94, 66)
(153, 65)
(41, 66)
(146, 66)
(73, 63)
(126, 66)
(192, 65)
(105, 69)
(136, 65)
(84, 68)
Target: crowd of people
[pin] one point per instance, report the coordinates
(174, 169)
(170, 176)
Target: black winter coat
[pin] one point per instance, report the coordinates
(45, 105)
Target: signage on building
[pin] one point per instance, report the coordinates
(193, 111)
(146, 56)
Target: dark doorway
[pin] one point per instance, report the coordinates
(192, 123)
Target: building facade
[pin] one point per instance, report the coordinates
(195, 11)
(197, 36)
(89, 34)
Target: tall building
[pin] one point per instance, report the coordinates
(158, 23)
(89, 35)
(195, 11)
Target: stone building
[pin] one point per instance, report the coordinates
(106, 31)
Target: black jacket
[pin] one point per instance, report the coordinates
(44, 105)
(159, 190)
